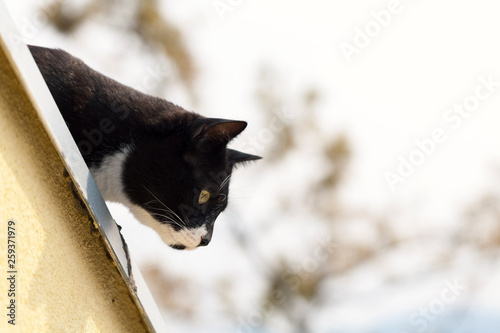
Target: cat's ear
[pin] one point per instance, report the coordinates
(235, 157)
(218, 130)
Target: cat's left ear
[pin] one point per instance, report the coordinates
(235, 157)
(218, 130)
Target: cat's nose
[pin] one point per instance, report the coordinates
(205, 240)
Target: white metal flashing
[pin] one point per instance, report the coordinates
(19, 56)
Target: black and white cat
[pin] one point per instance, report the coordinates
(170, 167)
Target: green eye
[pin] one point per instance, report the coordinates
(204, 196)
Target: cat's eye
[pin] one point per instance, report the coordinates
(204, 196)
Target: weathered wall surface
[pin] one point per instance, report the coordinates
(65, 281)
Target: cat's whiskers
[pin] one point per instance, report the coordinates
(224, 182)
(172, 215)
(168, 219)
(167, 214)
(149, 202)
(173, 218)
(148, 213)
(166, 207)
(230, 212)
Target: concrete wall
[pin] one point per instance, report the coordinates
(65, 280)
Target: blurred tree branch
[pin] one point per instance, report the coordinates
(154, 29)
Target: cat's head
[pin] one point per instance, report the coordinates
(179, 183)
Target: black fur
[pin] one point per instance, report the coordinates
(175, 155)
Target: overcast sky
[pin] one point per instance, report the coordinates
(415, 85)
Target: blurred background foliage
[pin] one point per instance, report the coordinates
(354, 238)
(140, 17)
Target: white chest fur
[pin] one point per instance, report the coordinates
(108, 177)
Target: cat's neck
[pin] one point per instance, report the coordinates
(108, 175)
